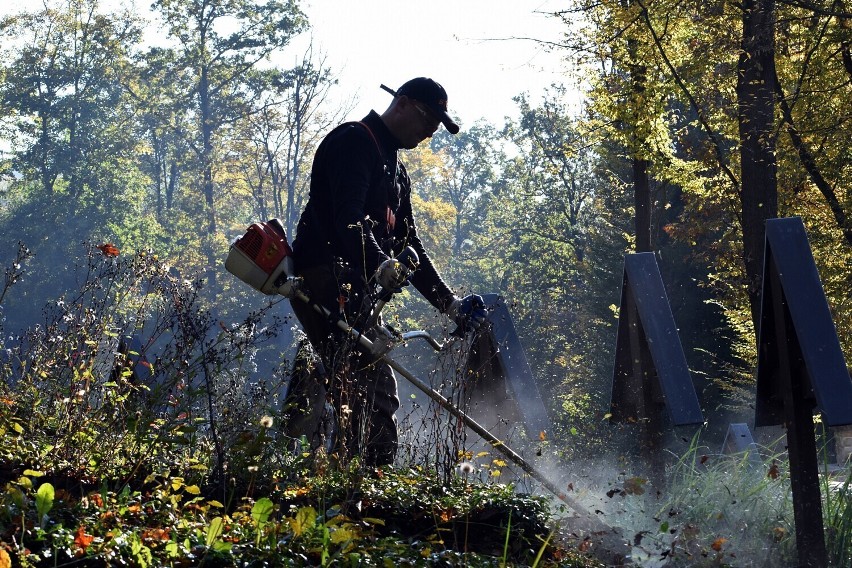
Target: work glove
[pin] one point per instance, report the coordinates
(394, 273)
(468, 313)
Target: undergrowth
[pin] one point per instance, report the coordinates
(134, 431)
(138, 429)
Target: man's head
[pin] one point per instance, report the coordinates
(419, 107)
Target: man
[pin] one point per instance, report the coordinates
(358, 216)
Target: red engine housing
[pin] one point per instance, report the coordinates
(266, 244)
(262, 258)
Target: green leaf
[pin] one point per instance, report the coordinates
(214, 531)
(664, 527)
(33, 473)
(44, 499)
(261, 510)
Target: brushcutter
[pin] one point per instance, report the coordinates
(262, 258)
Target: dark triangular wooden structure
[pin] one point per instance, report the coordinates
(650, 366)
(800, 368)
(503, 382)
(796, 328)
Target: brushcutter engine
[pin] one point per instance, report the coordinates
(263, 259)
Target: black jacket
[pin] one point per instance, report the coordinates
(359, 210)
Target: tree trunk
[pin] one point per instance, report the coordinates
(755, 113)
(173, 179)
(209, 239)
(641, 183)
(642, 205)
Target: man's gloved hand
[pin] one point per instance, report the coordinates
(468, 313)
(392, 275)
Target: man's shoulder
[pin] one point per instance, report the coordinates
(350, 133)
(351, 142)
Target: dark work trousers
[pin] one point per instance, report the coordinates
(363, 391)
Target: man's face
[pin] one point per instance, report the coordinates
(421, 123)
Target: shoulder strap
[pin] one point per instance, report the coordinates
(373, 136)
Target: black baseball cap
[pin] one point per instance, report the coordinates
(431, 94)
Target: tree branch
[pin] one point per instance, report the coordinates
(692, 102)
(809, 163)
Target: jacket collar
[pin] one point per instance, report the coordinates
(388, 141)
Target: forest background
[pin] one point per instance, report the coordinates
(699, 122)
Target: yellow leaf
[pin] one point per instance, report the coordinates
(215, 529)
(343, 534)
(33, 473)
(5, 561)
(215, 504)
(305, 519)
(192, 489)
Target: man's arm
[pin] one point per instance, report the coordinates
(426, 279)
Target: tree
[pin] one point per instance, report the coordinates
(72, 142)
(163, 122)
(218, 43)
(549, 242)
(756, 119)
(63, 92)
(722, 79)
(558, 161)
(467, 176)
(278, 137)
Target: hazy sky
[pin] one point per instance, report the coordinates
(466, 45)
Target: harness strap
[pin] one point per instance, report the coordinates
(373, 136)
